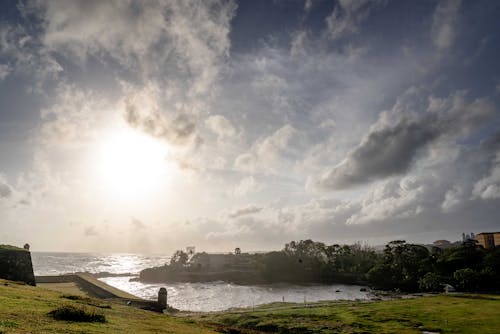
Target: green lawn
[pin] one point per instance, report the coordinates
(444, 314)
(24, 309)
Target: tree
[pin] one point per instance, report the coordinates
(430, 282)
(179, 259)
(401, 266)
(466, 279)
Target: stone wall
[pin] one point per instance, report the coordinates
(15, 265)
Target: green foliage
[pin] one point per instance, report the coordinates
(467, 279)
(13, 248)
(430, 282)
(401, 266)
(309, 261)
(77, 314)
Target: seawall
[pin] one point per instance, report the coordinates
(16, 265)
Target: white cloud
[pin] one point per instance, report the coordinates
(444, 23)
(221, 126)
(267, 151)
(488, 187)
(347, 17)
(247, 185)
(4, 71)
(186, 38)
(452, 199)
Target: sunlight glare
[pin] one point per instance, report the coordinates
(132, 163)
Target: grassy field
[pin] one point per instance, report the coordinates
(439, 314)
(24, 309)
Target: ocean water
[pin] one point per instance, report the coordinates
(210, 296)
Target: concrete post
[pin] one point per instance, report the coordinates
(162, 298)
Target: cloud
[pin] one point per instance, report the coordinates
(221, 126)
(71, 119)
(266, 151)
(182, 38)
(5, 189)
(251, 209)
(347, 16)
(452, 199)
(177, 130)
(444, 23)
(299, 43)
(4, 71)
(246, 186)
(23, 54)
(380, 154)
(137, 224)
(90, 231)
(394, 141)
(488, 187)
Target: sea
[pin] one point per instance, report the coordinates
(198, 297)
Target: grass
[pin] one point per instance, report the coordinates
(25, 309)
(442, 314)
(9, 247)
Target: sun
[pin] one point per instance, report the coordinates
(130, 163)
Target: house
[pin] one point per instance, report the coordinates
(211, 261)
(488, 239)
(441, 243)
(222, 261)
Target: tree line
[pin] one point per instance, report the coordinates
(400, 266)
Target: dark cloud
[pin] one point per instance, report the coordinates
(245, 211)
(180, 130)
(391, 148)
(381, 153)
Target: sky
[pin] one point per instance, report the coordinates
(149, 126)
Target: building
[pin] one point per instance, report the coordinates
(441, 243)
(488, 239)
(222, 261)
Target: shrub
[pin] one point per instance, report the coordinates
(466, 279)
(81, 314)
(430, 282)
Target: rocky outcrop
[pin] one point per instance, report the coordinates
(16, 265)
(167, 274)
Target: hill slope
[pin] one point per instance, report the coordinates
(24, 309)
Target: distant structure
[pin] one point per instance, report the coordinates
(468, 237)
(190, 250)
(16, 265)
(488, 239)
(162, 298)
(441, 243)
(237, 251)
(219, 262)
